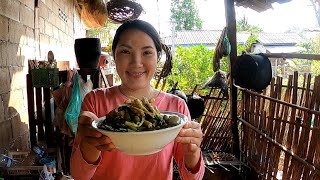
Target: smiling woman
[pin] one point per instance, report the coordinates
(136, 48)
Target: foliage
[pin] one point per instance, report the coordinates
(253, 38)
(185, 14)
(105, 34)
(316, 6)
(312, 47)
(191, 66)
(244, 26)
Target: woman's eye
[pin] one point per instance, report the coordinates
(124, 51)
(148, 53)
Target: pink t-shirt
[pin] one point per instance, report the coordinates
(119, 166)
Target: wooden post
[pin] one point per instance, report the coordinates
(32, 119)
(48, 121)
(40, 120)
(232, 35)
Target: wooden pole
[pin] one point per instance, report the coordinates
(293, 56)
(231, 32)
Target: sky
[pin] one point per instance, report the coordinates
(298, 14)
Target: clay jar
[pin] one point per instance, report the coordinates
(88, 51)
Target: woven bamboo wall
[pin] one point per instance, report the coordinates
(280, 128)
(216, 123)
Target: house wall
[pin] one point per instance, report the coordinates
(29, 32)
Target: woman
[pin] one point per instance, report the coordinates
(136, 48)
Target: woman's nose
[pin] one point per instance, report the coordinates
(136, 59)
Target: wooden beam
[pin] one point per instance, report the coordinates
(232, 35)
(293, 56)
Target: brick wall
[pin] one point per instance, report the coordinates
(29, 32)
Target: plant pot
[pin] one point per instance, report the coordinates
(88, 51)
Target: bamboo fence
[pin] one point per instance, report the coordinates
(216, 123)
(279, 129)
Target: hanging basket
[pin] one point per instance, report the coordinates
(94, 13)
(120, 11)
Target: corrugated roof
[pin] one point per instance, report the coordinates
(188, 37)
(259, 5)
(211, 37)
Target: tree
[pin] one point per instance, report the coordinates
(316, 7)
(185, 14)
(104, 34)
(193, 61)
(244, 26)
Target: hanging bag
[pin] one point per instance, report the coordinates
(73, 110)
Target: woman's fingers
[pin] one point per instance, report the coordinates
(86, 130)
(103, 140)
(189, 140)
(190, 134)
(191, 129)
(192, 124)
(107, 147)
(196, 133)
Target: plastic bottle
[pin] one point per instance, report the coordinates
(5, 161)
(38, 151)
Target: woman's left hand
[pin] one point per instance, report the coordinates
(191, 137)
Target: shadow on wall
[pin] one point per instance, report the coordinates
(14, 133)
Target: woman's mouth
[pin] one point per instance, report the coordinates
(135, 74)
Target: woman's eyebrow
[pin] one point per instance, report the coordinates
(147, 47)
(125, 45)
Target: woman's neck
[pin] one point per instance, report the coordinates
(148, 92)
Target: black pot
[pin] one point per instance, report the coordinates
(252, 71)
(88, 51)
(196, 106)
(178, 93)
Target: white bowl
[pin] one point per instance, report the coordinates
(145, 142)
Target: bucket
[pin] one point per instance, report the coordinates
(252, 71)
(88, 51)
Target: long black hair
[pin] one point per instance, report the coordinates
(142, 26)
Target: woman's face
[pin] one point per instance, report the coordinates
(135, 59)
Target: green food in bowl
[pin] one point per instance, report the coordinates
(144, 142)
(137, 115)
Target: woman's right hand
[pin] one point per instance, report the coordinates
(92, 141)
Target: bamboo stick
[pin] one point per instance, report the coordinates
(282, 102)
(283, 148)
(270, 130)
